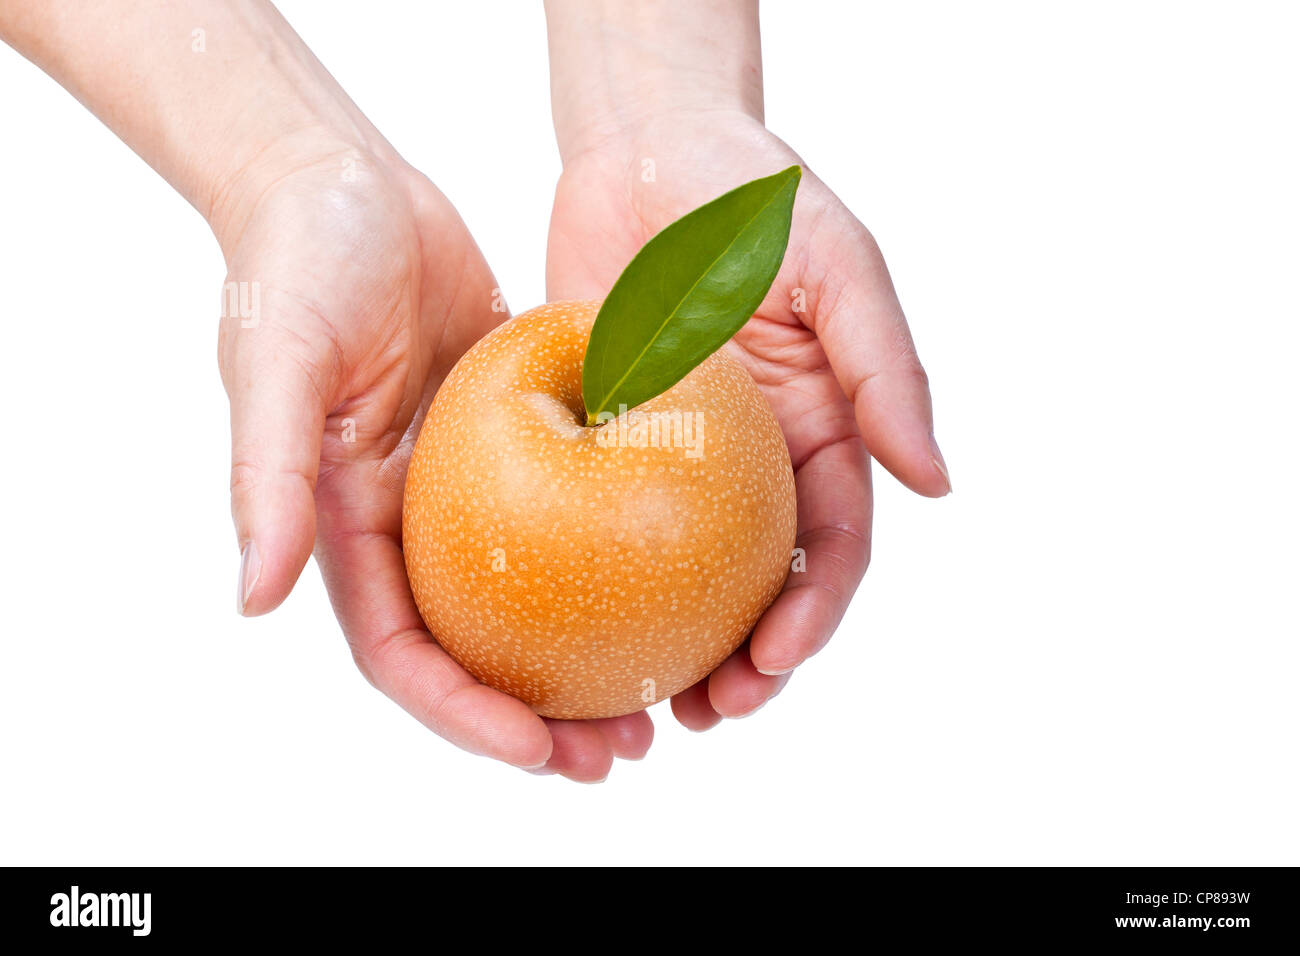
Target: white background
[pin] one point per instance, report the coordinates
(1088, 654)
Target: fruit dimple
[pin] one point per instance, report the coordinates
(585, 577)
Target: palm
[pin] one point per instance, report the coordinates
(371, 291)
(605, 210)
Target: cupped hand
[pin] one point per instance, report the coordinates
(352, 289)
(829, 348)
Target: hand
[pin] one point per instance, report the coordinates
(356, 287)
(829, 348)
(368, 289)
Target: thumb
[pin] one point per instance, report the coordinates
(860, 323)
(277, 417)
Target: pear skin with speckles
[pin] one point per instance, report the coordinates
(591, 571)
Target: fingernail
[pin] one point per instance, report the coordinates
(774, 673)
(770, 697)
(937, 460)
(250, 569)
(705, 730)
(540, 771)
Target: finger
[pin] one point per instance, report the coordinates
(366, 580)
(580, 751)
(629, 736)
(692, 709)
(833, 495)
(860, 323)
(737, 689)
(277, 415)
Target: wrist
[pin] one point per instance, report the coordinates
(616, 66)
(220, 110)
(328, 158)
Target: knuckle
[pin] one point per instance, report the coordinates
(436, 711)
(369, 657)
(364, 660)
(244, 477)
(910, 367)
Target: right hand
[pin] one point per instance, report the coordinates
(369, 289)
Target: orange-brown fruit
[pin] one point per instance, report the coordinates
(582, 569)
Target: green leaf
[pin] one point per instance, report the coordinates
(687, 291)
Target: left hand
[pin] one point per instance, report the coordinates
(829, 348)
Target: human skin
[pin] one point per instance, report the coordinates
(371, 288)
(677, 84)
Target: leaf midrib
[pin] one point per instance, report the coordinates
(671, 315)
